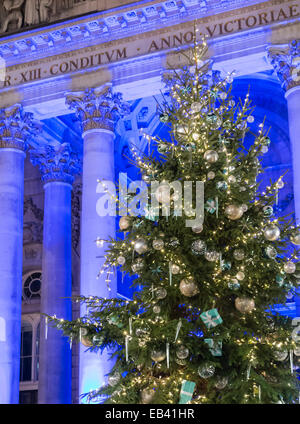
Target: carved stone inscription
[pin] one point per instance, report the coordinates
(147, 43)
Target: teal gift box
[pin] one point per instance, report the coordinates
(211, 318)
(215, 347)
(186, 392)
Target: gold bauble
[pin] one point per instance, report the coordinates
(124, 223)
(188, 287)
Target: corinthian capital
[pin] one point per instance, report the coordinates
(56, 163)
(98, 107)
(17, 127)
(286, 62)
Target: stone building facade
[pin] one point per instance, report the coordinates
(63, 126)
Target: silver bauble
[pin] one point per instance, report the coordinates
(156, 309)
(289, 267)
(271, 232)
(271, 252)
(244, 207)
(240, 275)
(158, 355)
(161, 293)
(98, 340)
(124, 223)
(211, 255)
(231, 179)
(195, 107)
(140, 246)
(182, 352)
(280, 355)
(137, 265)
(297, 351)
(221, 382)
(198, 229)
(188, 287)
(238, 254)
(162, 193)
(147, 395)
(211, 175)
(206, 371)
(244, 304)
(295, 239)
(211, 156)
(198, 247)
(175, 269)
(121, 260)
(114, 378)
(233, 212)
(174, 242)
(158, 244)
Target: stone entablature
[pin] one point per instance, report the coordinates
(87, 50)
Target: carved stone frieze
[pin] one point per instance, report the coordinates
(98, 107)
(286, 62)
(56, 164)
(76, 213)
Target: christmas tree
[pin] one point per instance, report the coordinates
(202, 328)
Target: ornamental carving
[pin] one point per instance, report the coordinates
(76, 209)
(56, 163)
(17, 127)
(98, 107)
(285, 60)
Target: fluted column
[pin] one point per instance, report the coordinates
(98, 110)
(286, 62)
(57, 166)
(16, 128)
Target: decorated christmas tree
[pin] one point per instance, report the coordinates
(208, 269)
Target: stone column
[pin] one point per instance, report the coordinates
(57, 166)
(16, 127)
(286, 62)
(98, 110)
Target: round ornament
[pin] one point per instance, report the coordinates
(211, 255)
(121, 260)
(188, 287)
(231, 179)
(124, 223)
(271, 252)
(238, 254)
(164, 117)
(223, 95)
(86, 341)
(158, 355)
(280, 355)
(196, 136)
(175, 269)
(280, 184)
(268, 211)
(211, 156)
(198, 247)
(234, 284)
(211, 175)
(137, 265)
(233, 212)
(174, 242)
(195, 107)
(221, 382)
(158, 244)
(240, 275)
(244, 304)
(114, 378)
(244, 207)
(162, 193)
(147, 396)
(289, 267)
(250, 119)
(140, 246)
(295, 239)
(206, 371)
(197, 229)
(225, 265)
(156, 309)
(161, 293)
(182, 352)
(297, 351)
(279, 279)
(271, 232)
(214, 120)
